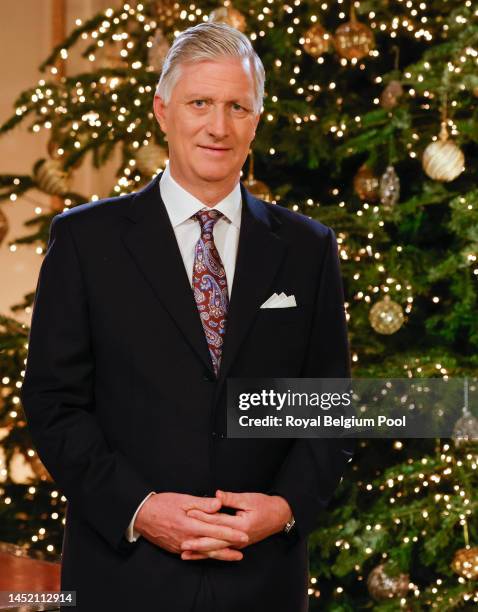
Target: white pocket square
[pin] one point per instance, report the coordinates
(280, 301)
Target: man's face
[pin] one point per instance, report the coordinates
(209, 120)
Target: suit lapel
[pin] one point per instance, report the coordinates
(152, 244)
(259, 256)
(151, 241)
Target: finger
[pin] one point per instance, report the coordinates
(206, 504)
(219, 518)
(226, 554)
(232, 500)
(204, 544)
(189, 555)
(221, 532)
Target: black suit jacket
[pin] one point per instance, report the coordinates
(121, 398)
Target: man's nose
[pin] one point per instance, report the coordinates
(218, 123)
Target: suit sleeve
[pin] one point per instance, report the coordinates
(314, 467)
(57, 395)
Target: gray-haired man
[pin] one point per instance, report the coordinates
(146, 304)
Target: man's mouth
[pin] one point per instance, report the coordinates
(214, 150)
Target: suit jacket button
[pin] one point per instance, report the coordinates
(208, 377)
(214, 434)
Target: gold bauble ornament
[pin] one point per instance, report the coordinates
(4, 227)
(150, 158)
(381, 586)
(257, 188)
(465, 430)
(51, 178)
(317, 40)
(113, 60)
(366, 184)
(465, 563)
(353, 40)
(386, 316)
(229, 15)
(55, 145)
(390, 95)
(25, 469)
(157, 53)
(443, 160)
(38, 468)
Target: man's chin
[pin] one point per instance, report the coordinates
(214, 175)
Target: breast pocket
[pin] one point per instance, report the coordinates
(280, 316)
(277, 341)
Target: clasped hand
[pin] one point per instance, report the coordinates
(195, 528)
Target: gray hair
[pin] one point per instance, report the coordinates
(209, 41)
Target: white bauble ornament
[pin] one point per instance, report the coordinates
(443, 160)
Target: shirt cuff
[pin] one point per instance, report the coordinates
(131, 534)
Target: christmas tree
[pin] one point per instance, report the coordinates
(370, 126)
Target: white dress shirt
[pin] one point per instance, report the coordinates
(180, 206)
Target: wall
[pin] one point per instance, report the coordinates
(25, 42)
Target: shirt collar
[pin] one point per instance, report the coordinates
(181, 205)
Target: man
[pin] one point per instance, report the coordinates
(145, 305)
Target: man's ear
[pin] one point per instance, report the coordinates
(159, 108)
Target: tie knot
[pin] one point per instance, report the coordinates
(207, 219)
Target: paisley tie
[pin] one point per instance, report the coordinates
(210, 286)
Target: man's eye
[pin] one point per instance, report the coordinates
(199, 103)
(237, 107)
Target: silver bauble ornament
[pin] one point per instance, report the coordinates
(389, 188)
(465, 430)
(381, 586)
